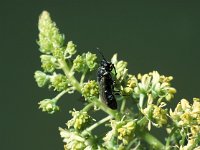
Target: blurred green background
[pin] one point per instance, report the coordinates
(150, 35)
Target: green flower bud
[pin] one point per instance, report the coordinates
(48, 105)
(143, 86)
(120, 67)
(90, 89)
(161, 86)
(79, 63)
(49, 63)
(41, 78)
(90, 60)
(170, 95)
(59, 82)
(131, 83)
(121, 70)
(71, 49)
(49, 36)
(84, 62)
(114, 59)
(58, 53)
(127, 91)
(79, 120)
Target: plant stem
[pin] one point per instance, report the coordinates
(142, 122)
(96, 125)
(69, 75)
(60, 95)
(151, 140)
(102, 106)
(87, 107)
(82, 78)
(141, 100)
(131, 143)
(169, 138)
(183, 139)
(123, 105)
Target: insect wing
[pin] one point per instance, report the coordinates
(106, 93)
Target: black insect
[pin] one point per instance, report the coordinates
(106, 83)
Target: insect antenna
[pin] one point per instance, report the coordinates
(101, 54)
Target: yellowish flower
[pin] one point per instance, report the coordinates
(79, 120)
(90, 89)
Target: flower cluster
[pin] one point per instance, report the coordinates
(185, 114)
(123, 130)
(85, 62)
(75, 141)
(41, 78)
(49, 36)
(124, 82)
(49, 63)
(155, 84)
(90, 89)
(70, 50)
(156, 115)
(120, 67)
(79, 120)
(74, 136)
(187, 118)
(131, 83)
(59, 82)
(48, 105)
(55, 59)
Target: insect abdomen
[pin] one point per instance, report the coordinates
(106, 92)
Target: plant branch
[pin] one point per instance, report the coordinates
(102, 106)
(82, 78)
(60, 95)
(123, 105)
(96, 125)
(151, 140)
(69, 75)
(87, 107)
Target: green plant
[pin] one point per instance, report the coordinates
(129, 126)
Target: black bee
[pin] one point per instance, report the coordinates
(106, 83)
